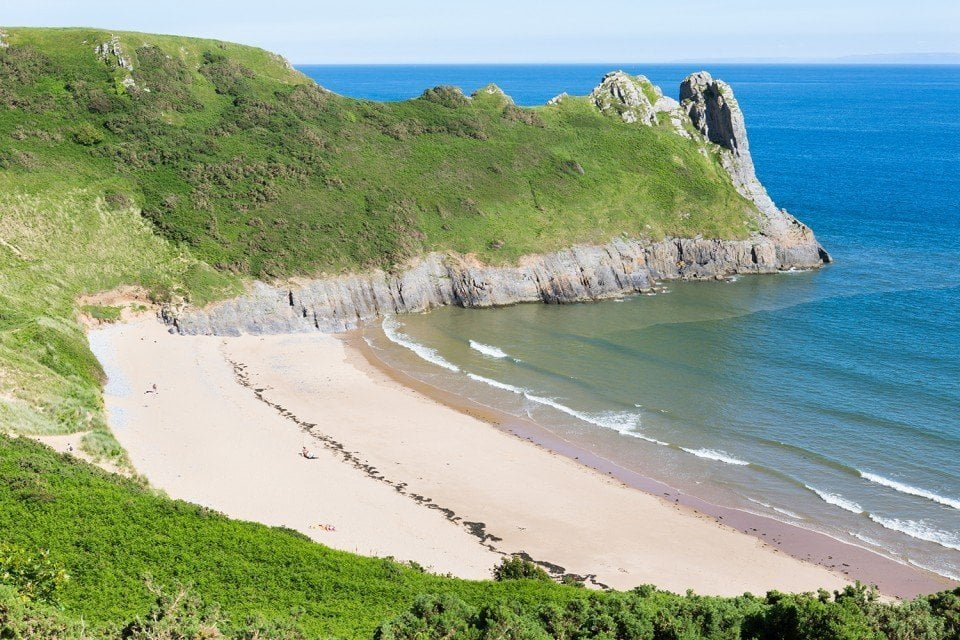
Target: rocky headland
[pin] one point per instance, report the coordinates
(707, 113)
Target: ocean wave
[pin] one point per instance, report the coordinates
(946, 573)
(837, 500)
(785, 512)
(920, 531)
(488, 350)
(391, 328)
(910, 490)
(497, 384)
(622, 422)
(719, 456)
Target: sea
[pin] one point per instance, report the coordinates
(828, 399)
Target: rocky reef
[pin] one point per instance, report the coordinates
(707, 113)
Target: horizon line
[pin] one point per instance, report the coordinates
(828, 62)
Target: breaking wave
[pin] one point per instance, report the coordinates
(785, 512)
(488, 350)
(391, 328)
(909, 490)
(719, 456)
(920, 531)
(836, 500)
(622, 422)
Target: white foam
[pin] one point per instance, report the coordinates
(785, 512)
(913, 491)
(391, 328)
(488, 350)
(497, 384)
(625, 423)
(836, 500)
(719, 456)
(920, 531)
(946, 573)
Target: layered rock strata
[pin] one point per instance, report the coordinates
(582, 273)
(708, 113)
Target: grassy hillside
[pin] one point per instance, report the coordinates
(109, 534)
(184, 166)
(262, 172)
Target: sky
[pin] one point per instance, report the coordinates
(432, 31)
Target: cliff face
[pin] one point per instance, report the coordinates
(715, 114)
(707, 113)
(582, 273)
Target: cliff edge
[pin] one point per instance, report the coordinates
(707, 113)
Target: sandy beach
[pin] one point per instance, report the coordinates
(398, 473)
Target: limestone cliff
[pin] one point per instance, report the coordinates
(707, 113)
(715, 114)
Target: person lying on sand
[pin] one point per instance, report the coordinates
(306, 453)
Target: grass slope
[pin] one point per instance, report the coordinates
(260, 171)
(184, 166)
(109, 533)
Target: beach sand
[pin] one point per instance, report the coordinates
(399, 474)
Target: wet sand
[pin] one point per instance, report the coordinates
(409, 471)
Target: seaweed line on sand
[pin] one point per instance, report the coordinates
(476, 529)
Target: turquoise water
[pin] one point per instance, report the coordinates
(828, 399)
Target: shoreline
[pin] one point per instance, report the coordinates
(400, 473)
(852, 562)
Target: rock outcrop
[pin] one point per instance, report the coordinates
(715, 114)
(111, 52)
(632, 98)
(708, 114)
(493, 90)
(581, 273)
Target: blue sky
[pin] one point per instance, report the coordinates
(363, 31)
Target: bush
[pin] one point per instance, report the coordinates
(446, 95)
(87, 135)
(517, 568)
(21, 620)
(513, 113)
(32, 573)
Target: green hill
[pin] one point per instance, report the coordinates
(185, 167)
(119, 544)
(258, 170)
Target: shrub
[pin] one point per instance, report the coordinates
(87, 135)
(518, 568)
(33, 574)
(513, 113)
(447, 96)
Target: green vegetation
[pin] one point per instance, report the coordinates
(54, 248)
(230, 152)
(150, 567)
(101, 313)
(183, 167)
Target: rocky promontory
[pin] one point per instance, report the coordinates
(707, 113)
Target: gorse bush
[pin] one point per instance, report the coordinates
(648, 614)
(247, 581)
(33, 574)
(519, 568)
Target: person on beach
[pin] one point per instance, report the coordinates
(307, 454)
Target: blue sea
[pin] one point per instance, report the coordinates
(830, 399)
